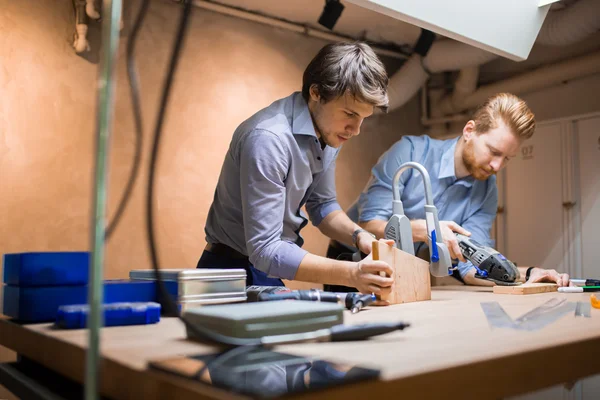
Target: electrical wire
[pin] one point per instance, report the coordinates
(167, 302)
(137, 116)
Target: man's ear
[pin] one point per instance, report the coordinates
(469, 130)
(314, 93)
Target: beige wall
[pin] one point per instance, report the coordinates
(229, 69)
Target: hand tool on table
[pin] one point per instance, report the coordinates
(538, 318)
(585, 282)
(352, 301)
(583, 309)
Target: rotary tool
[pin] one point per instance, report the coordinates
(489, 263)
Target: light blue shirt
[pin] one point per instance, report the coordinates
(273, 167)
(467, 201)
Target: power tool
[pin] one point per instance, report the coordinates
(489, 263)
(352, 301)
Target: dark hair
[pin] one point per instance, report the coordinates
(347, 67)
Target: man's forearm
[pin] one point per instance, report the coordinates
(375, 226)
(318, 269)
(470, 279)
(419, 230)
(338, 226)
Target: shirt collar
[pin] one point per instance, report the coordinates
(302, 123)
(447, 169)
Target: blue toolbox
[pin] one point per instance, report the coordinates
(40, 304)
(46, 268)
(115, 314)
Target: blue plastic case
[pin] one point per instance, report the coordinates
(46, 268)
(115, 314)
(40, 304)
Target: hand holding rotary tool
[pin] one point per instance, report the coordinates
(489, 263)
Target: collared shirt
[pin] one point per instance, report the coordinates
(467, 201)
(274, 165)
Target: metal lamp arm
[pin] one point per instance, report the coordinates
(399, 229)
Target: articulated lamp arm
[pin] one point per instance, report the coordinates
(398, 227)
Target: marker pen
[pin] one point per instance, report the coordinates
(585, 282)
(579, 289)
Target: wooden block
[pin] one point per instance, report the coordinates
(527, 288)
(411, 274)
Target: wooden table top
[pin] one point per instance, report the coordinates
(449, 350)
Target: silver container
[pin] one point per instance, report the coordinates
(201, 286)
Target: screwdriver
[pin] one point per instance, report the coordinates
(352, 301)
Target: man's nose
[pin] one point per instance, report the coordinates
(496, 163)
(354, 127)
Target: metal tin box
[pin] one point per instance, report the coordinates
(200, 286)
(269, 318)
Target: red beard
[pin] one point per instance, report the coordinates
(478, 172)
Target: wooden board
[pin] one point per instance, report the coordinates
(528, 288)
(411, 274)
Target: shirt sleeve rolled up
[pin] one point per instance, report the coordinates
(323, 200)
(264, 161)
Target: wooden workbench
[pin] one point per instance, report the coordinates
(450, 351)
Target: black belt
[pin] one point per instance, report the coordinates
(224, 250)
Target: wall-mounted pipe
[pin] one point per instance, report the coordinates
(465, 85)
(450, 55)
(450, 107)
(560, 28)
(291, 26)
(404, 84)
(570, 25)
(540, 78)
(444, 55)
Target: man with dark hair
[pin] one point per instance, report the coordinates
(463, 181)
(283, 158)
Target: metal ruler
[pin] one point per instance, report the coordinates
(535, 319)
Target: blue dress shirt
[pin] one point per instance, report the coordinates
(467, 201)
(274, 166)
